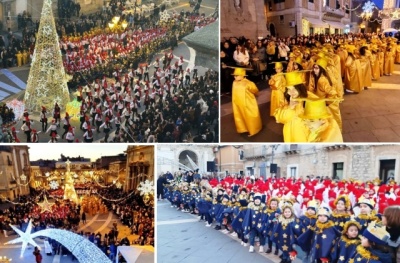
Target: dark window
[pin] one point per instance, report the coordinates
(281, 19)
(337, 171)
(337, 4)
(270, 6)
(327, 3)
(311, 1)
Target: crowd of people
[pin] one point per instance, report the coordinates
(67, 215)
(119, 88)
(315, 219)
(308, 77)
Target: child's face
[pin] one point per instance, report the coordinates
(340, 206)
(257, 201)
(365, 209)
(313, 125)
(352, 232)
(322, 219)
(364, 242)
(239, 77)
(287, 213)
(311, 211)
(273, 204)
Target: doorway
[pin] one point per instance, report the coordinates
(386, 170)
(272, 29)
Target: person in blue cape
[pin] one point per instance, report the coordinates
(252, 223)
(348, 242)
(237, 223)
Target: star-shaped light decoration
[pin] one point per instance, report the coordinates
(395, 14)
(45, 205)
(53, 185)
(25, 238)
(118, 185)
(146, 187)
(323, 236)
(23, 177)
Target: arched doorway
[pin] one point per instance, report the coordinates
(189, 159)
(272, 29)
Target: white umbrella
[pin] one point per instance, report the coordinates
(387, 30)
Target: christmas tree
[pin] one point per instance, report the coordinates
(69, 189)
(47, 81)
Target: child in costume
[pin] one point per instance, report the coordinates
(373, 248)
(308, 221)
(217, 206)
(294, 129)
(272, 212)
(238, 220)
(348, 242)
(252, 222)
(367, 214)
(341, 214)
(322, 237)
(285, 233)
(277, 84)
(244, 102)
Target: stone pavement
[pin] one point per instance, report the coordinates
(182, 238)
(371, 116)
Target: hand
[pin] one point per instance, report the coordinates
(324, 260)
(293, 255)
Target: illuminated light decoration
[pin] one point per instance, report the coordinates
(368, 7)
(47, 174)
(146, 187)
(23, 177)
(5, 259)
(118, 185)
(69, 189)
(45, 205)
(17, 106)
(54, 185)
(395, 14)
(73, 109)
(47, 83)
(24, 237)
(84, 250)
(164, 16)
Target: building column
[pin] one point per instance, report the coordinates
(261, 19)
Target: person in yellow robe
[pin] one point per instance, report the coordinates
(322, 86)
(352, 78)
(365, 62)
(294, 129)
(381, 59)
(398, 53)
(342, 53)
(388, 65)
(277, 83)
(245, 108)
(19, 58)
(375, 63)
(322, 127)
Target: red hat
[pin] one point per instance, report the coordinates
(34, 130)
(70, 128)
(13, 128)
(43, 108)
(66, 114)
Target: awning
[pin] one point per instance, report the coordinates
(334, 24)
(316, 22)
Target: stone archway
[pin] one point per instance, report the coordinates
(186, 156)
(272, 29)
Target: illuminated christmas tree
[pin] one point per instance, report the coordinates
(47, 81)
(69, 189)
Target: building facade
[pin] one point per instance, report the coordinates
(10, 9)
(337, 161)
(14, 171)
(187, 158)
(283, 18)
(139, 166)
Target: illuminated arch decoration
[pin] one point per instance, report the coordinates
(84, 250)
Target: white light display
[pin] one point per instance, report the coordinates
(53, 185)
(24, 237)
(146, 187)
(84, 250)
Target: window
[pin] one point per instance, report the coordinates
(326, 3)
(9, 160)
(226, 172)
(311, 1)
(282, 19)
(241, 155)
(270, 6)
(337, 4)
(337, 171)
(311, 31)
(293, 172)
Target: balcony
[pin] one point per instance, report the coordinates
(256, 152)
(337, 147)
(333, 12)
(292, 149)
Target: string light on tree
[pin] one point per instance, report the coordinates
(47, 81)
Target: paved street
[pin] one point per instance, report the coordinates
(371, 116)
(10, 90)
(182, 238)
(98, 223)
